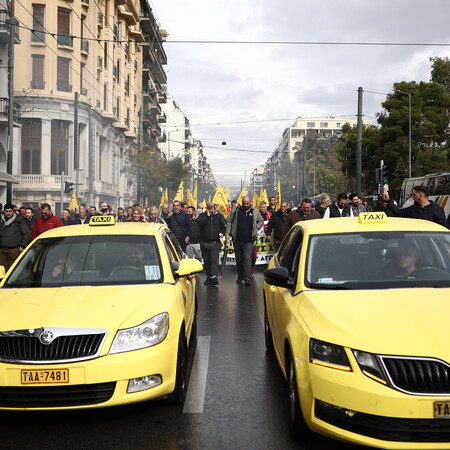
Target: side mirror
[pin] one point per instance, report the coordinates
(279, 276)
(188, 267)
(2, 272)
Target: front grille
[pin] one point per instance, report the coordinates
(63, 348)
(56, 396)
(384, 428)
(418, 376)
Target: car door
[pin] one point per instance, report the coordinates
(185, 289)
(282, 298)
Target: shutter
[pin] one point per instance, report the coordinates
(63, 21)
(38, 70)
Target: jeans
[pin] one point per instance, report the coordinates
(243, 253)
(193, 251)
(210, 252)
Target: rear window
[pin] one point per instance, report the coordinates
(88, 261)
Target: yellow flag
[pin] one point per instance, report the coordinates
(179, 194)
(194, 195)
(163, 197)
(227, 193)
(166, 196)
(204, 205)
(221, 202)
(255, 201)
(190, 199)
(263, 196)
(241, 195)
(73, 202)
(278, 204)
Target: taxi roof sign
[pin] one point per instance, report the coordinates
(372, 217)
(102, 220)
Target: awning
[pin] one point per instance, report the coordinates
(7, 178)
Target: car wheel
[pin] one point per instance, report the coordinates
(179, 393)
(267, 332)
(297, 424)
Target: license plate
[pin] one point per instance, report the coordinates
(442, 410)
(44, 376)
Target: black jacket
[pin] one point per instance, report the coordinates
(211, 226)
(276, 223)
(180, 225)
(16, 234)
(334, 210)
(195, 236)
(432, 212)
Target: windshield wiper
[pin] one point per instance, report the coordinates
(331, 286)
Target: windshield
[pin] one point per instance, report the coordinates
(376, 260)
(87, 261)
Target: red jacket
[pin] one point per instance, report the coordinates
(42, 225)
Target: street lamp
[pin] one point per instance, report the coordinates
(409, 131)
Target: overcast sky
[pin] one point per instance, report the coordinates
(223, 83)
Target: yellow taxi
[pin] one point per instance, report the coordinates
(97, 315)
(357, 313)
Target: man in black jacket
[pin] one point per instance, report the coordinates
(422, 209)
(212, 226)
(15, 236)
(276, 224)
(180, 224)
(340, 208)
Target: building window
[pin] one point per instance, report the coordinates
(38, 24)
(64, 37)
(60, 147)
(105, 54)
(63, 75)
(310, 124)
(31, 146)
(37, 69)
(105, 97)
(118, 71)
(338, 125)
(323, 124)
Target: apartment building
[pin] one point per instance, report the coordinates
(5, 33)
(293, 139)
(89, 79)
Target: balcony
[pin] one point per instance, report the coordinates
(99, 63)
(65, 40)
(84, 91)
(85, 46)
(156, 129)
(63, 86)
(114, 71)
(37, 84)
(161, 96)
(37, 37)
(4, 108)
(85, 3)
(127, 88)
(5, 23)
(161, 118)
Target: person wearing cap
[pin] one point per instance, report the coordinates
(15, 235)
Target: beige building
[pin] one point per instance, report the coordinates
(108, 54)
(293, 137)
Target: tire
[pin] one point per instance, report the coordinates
(267, 332)
(178, 395)
(297, 424)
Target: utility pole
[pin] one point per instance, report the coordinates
(75, 143)
(359, 142)
(9, 164)
(138, 175)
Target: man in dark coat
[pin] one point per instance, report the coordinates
(180, 224)
(15, 235)
(422, 209)
(303, 212)
(276, 224)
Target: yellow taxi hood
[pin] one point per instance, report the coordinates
(390, 321)
(105, 307)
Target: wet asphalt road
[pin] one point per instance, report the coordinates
(244, 407)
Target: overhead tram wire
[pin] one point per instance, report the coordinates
(55, 36)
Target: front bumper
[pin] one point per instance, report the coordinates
(99, 382)
(350, 406)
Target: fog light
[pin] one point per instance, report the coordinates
(143, 383)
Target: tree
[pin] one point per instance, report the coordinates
(440, 72)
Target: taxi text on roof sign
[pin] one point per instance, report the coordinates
(372, 217)
(102, 220)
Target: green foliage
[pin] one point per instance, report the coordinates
(154, 172)
(440, 72)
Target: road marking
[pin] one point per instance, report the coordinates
(195, 397)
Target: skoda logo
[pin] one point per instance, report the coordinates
(46, 337)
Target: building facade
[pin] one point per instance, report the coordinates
(90, 84)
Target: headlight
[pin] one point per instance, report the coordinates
(370, 366)
(149, 333)
(328, 355)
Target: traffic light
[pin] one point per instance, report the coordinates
(385, 179)
(378, 175)
(68, 187)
